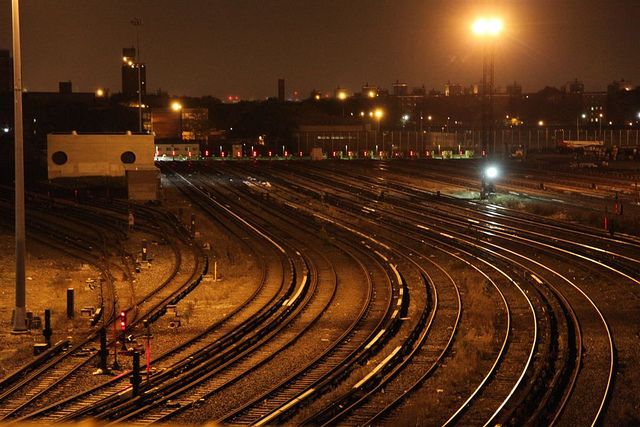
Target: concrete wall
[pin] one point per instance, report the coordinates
(143, 184)
(73, 155)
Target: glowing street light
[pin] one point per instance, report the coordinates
(99, 92)
(342, 96)
(177, 107)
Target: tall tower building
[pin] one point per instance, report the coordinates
(281, 90)
(132, 71)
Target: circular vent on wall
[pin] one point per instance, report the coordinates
(128, 157)
(59, 157)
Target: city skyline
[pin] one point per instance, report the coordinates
(230, 48)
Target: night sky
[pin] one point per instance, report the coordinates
(241, 47)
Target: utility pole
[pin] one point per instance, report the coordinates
(19, 316)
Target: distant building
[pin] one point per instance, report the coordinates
(619, 86)
(332, 138)
(369, 91)
(514, 89)
(65, 87)
(576, 86)
(281, 90)
(132, 71)
(188, 124)
(6, 71)
(419, 91)
(453, 89)
(400, 89)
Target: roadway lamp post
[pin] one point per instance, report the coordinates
(599, 119)
(19, 315)
(584, 116)
(488, 30)
(177, 107)
(342, 97)
(378, 114)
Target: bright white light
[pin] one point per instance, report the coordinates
(405, 117)
(487, 26)
(491, 172)
(5, 130)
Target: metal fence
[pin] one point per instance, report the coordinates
(504, 140)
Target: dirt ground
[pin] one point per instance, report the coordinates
(49, 273)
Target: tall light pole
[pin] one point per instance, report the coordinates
(488, 29)
(137, 22)
(19, 315)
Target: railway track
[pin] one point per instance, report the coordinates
(517, 287)
(602, 399)
(41, 381)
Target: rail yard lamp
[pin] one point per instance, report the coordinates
(489, 176)
(488, 29)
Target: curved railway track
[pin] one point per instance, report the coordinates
(609, 373)
(440, 274)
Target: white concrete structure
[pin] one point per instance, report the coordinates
(84, 155)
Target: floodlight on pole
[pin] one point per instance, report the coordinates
(488, 30)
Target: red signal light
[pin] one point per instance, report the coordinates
(123, 320)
